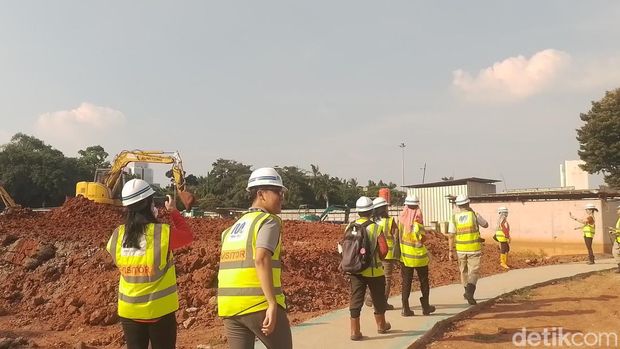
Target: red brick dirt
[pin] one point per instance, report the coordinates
(59, 286)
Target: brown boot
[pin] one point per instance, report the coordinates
(618, 270)
(382, 325)
(356, 334)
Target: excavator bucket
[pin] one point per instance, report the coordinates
(187, 199)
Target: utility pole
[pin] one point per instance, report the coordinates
(423, 173)
(402, 146)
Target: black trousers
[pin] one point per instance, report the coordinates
(588, 242)
(161, 334)
(358, 290)
(504, 247)
(407, 274)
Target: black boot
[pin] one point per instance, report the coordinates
(618, 270)
(406, 310)
(427, 309)
(469, 294)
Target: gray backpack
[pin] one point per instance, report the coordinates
(356, 248)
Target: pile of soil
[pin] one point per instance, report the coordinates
(58, 276)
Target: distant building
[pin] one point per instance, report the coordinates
(433, 196)
(572, 176)
(142, 170)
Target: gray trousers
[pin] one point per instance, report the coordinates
(388, 270)
(469, 266)
(242, 330)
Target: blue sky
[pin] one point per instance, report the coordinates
(486, 88)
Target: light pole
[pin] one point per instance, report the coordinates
(402, 146)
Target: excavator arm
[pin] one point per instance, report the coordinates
(7, 200)
(113, 179)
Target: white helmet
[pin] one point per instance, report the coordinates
(462, 199)
(265, 176)
(135, 190)
(363, 204)
(502, 210)
(412, 200)
(379, 202)
(591, 207)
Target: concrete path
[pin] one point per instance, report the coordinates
(332, 330)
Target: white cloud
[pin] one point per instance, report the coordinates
(71, 130)
(513, 78)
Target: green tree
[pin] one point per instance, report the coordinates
(92, 158)
(224, 185)
(599, 138)
(298, 184)
(36, 174)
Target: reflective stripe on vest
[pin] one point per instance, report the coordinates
(239, 291)
(388, 224)
(467, 237)
(147, 287)
(412, 252)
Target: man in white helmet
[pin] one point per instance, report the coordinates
(464, 230)
(250, 298)
(588, 228)
(615, 233)
(371, 277)
(390, 231)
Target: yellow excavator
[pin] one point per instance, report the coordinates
(107, 183)
(7, 200)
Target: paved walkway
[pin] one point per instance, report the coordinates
(332, 330)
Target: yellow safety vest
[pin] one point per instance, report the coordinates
(374, 230)
(239, 291)
(388, 224)
(148, 282)
(467, 237)
(588, 230)
(618, 231)
(412, 252)
(499, 233)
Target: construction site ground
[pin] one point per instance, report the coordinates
(582, 305)
(59, 285)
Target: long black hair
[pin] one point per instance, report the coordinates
(139, 214)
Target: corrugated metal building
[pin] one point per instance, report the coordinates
(433, 196)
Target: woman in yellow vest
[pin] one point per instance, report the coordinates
(414, 257)
(615, 234)
(142, 250)
(390, 230)
(249, 295)
(588, 228)
(502, 235)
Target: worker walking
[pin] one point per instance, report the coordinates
(390, 230)
(249, 295)
(615, 234)
(502, 235)
(464, 230)
(363, 247)
(142, 250)
(414, 257)
(588, 228)
(411, 212)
